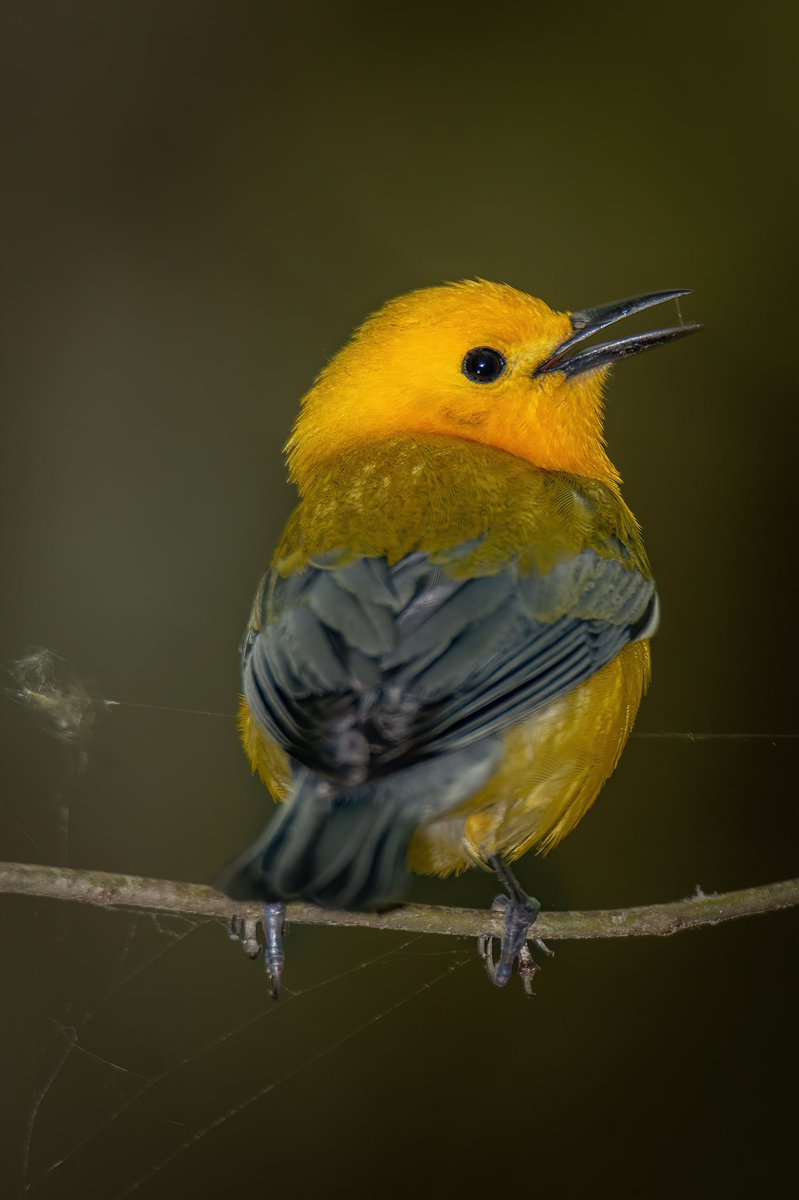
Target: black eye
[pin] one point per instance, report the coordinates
(483, 365)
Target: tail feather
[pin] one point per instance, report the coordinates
(349, 849)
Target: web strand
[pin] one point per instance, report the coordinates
(660, 734)
(47, 684)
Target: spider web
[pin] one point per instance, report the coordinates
(117, 1063)
(147, 1049)
(249, 1054)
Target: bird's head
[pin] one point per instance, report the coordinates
(478, 361)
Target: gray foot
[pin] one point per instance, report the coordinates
(272, 920)
(520, 912)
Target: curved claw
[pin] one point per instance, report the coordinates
(273, 921)
(245, 930)
(485, 942)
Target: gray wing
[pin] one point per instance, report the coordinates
(360, 670)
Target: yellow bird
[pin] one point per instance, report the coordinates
(447, 655)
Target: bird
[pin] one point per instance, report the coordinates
(446, 657)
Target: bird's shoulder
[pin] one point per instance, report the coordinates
(470, 508)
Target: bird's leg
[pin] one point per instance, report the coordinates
(245, 930)
(521, 912)
(274, 922)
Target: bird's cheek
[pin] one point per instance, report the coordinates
(466, 418)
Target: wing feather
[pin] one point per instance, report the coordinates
(361, 668)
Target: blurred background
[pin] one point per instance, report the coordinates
(200, 201)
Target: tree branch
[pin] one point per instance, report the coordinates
(191, 899)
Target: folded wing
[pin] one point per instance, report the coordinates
(364, 669)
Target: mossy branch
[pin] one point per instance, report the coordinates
(106, 890)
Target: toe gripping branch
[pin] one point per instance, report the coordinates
(521, 912)
(273, 922)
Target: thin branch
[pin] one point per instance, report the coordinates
(191, 899)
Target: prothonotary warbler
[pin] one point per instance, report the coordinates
(447, 654)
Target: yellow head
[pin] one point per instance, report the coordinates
(475, 361)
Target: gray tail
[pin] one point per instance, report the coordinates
(339, 850)
(349, 849)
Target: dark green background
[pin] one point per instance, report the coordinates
(200, 200)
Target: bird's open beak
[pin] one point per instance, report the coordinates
(591, 320)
